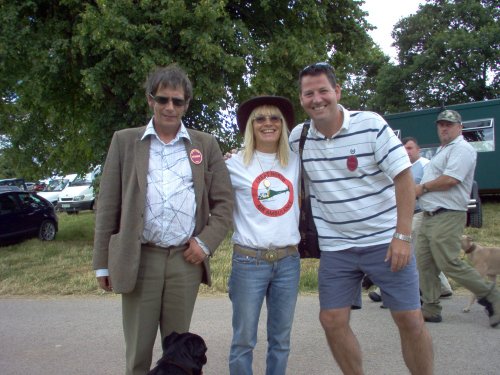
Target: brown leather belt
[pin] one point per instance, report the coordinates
(269, 255)
(438, 211)
(169, 248)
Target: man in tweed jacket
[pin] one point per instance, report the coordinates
(165, 204)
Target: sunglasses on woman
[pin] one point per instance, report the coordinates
(261, 119)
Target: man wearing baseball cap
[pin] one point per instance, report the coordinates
(443, 196)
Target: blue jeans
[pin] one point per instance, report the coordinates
(251, 280)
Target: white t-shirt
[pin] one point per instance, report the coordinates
(266, 211)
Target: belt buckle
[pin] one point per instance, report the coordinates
(271, 255)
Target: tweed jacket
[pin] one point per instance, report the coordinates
(122, 199)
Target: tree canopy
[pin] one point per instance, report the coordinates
(448, 52)
(72, 71)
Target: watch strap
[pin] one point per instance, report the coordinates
(402, 237)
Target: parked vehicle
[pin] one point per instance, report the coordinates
(9, 188)
(30, 186)
(55, 186)
(78, 195)
(40, 186)
(25, 214)
(19, 182)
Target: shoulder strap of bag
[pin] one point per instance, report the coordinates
(302, 141)
(303, 136)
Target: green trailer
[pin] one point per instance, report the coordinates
(478, 118)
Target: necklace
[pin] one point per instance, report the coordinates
(266, 182)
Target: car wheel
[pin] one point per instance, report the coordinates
(47, 231)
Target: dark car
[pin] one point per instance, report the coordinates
(19, 182)
(25, 214)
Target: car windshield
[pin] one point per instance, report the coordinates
(56, 185)
(80, 182)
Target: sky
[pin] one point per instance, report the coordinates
(384, 14)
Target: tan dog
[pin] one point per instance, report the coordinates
(486, 260)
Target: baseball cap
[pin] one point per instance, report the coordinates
(450, 115)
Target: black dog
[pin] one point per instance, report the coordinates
(182, 354)
(366, 283)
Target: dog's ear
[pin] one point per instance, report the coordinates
(198, 349)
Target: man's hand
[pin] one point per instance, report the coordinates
(105, 283)
(419, 190)
(194, 253)
(399, 253)
(228, 155)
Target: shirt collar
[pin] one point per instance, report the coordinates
(456, 140)
(150, 131)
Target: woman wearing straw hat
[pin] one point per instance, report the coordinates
(266, 263)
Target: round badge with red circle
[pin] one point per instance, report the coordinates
(196, 156)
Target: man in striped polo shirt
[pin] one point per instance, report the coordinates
(362, 196)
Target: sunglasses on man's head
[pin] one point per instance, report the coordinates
(261, 119)
(163, 100)
(317, 66)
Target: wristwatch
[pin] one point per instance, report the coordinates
(402, 237)
(424, 189)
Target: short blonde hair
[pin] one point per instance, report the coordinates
(283, 149)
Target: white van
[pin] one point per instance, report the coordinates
(55, 186)
(79, 194)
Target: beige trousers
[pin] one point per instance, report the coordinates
(438, 248)
(164, 297)
(415, 227)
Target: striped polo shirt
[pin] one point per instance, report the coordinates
(351, 180)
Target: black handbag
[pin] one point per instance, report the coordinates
(308, 245)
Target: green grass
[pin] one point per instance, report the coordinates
(60, 267)
(64, 266)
